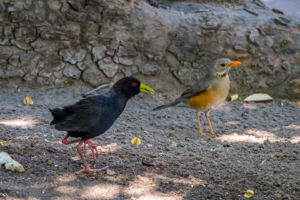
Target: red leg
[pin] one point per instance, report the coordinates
(66, 142)
(86, 166)
(93, 147)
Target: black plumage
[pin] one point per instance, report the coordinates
(94, 115)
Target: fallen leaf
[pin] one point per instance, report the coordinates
(263, 162)
(240, 160)
(9, 163)
(235, 182)
(259, 97)
(153, 185)
(110, 172)
(44, 179)
(148, 164)
(298, 104)
(28, 100)
(136, 141)
(234, 97)
(170, 141)
(249, 193)
(216, 149)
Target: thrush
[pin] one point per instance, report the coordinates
(94, 115)
(208, 92)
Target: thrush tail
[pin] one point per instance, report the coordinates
(172, 104)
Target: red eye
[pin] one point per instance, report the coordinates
(134, 84)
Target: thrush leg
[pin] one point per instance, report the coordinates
(207, 117)
(86, 166)
(199, 124)
(93, 149)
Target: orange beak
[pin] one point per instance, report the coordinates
(234, 63)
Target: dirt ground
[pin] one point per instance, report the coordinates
(256, 148)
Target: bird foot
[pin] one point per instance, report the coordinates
(207, 133)
(88, 169)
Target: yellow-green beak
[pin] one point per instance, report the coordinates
(146, 89)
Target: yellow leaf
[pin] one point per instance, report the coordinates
(28, 100)
(234, 97)
(136, 141)
(170, 141)
(44, 179)
(298, 103)
(239, 160)
(249, 193)
(153, 185)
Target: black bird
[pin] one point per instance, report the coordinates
(94, 115)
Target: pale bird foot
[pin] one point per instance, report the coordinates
(88, 169)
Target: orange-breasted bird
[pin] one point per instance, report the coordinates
(208, 92)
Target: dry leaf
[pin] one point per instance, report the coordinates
(10, 164)
(136, 141)
(170, 141)
(28, 100)
(298, 103)
(153, 185)
(235, 182)
(44, 179)
(110, 172)
(148, 164)
(249, 193)
(234, 97)
(259, 97)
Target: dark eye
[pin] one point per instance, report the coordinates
(223, 65)
(134, 84)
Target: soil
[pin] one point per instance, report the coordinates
(256, 148)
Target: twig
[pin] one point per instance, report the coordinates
(98, 88)
(251, 12)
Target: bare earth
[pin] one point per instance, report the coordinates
(258, 142)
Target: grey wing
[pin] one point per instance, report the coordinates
(197, 88)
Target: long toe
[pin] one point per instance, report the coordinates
(85, 169)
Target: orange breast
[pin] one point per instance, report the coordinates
(205, 99)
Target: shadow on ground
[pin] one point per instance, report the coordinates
(258, 150)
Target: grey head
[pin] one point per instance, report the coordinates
(221, 66)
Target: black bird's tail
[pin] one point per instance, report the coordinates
(174, 103)
(58, 114)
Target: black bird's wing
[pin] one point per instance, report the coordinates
(93, 115)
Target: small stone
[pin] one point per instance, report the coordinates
(45, 81)
(108, 67)
(77, 5)
(150, 69)
(281, 21)
(45, 73)
(99, 52)
(126, 60)
(72, 71)
(58, 74)
(92, 75)
(239, 48)
(110, 52)
(14, 60)
(297, 55)
(210, 186)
